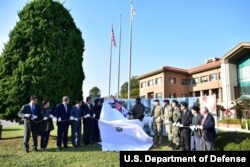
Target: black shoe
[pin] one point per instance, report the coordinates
(35, 149)
(65, 146)
(59, 148)
(176, 147)
(26, 150)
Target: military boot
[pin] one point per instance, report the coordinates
(160, 140)
(170, 143)
(155, 139)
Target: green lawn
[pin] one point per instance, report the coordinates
(12, 153)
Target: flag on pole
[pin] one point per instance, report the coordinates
(113, 37)
(132, 10)
(118, 105)
(227, 112)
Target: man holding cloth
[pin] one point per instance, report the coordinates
(30, 113)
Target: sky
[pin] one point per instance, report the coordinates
(177, 33)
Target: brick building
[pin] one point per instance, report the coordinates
(228, 78)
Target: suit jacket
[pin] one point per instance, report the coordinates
(76, 112)
(97, 111)
(186, 118)
(209, 133)
(26, 109)
(86, 110)
(46, 125)
(196, 120)
(62, 113)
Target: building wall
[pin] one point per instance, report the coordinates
(210, 84)
(176, 89)
(229, 78)
(155, 88)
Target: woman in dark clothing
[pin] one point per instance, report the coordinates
(97, 110)
(46, 125)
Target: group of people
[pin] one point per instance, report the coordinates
(39, 119)
(187, 130)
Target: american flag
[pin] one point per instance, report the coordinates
(113, 38)
(118, 105)
(227, 112)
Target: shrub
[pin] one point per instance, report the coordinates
(231, 121)
(243, 123)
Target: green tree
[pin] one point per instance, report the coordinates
(95, 92)
(43, 57)
(134, 88)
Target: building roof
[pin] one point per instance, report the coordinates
(236, 53)
(205, 67)
(163, 69)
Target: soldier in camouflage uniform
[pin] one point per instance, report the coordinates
(138, 110)
(175, 129)
(168, 119)
(157, 114)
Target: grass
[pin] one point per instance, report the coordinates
(12, 153)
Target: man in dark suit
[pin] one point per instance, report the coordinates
(30, 113)
(76, 123)
(88, 121)
(186, 120)
(208, 130)
(97, 111)
(62, 113)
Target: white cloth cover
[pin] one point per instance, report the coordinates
(120, 134)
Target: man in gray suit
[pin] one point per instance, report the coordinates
(195, 133)
(208, 130)
(30, 113)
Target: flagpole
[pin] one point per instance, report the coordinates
(110, 60)
(130, 53)
(119, 58)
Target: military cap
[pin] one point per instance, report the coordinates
(156, 100)
(166, 100)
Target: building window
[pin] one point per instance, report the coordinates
(184, 95)
(189, 81)
(143, 84)
(158, 95)
(172, 95)
(150, 82)
(184, 82)
(158, 80)
(203, 79)
(213, 77)
(172, 80)
(195, 81)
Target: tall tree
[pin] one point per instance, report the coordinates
(134, 88)
(43, 57)
(95, 92)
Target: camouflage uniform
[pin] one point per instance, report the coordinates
(157, 114)
(138, 111)
(168, 119)
(175, 129)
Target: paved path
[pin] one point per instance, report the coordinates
(233, 129)
(8, 123)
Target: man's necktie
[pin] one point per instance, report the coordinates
(203, 121)
(32, 109)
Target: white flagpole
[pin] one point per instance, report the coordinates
(119, 58)
(110, 59)
(130, 53)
